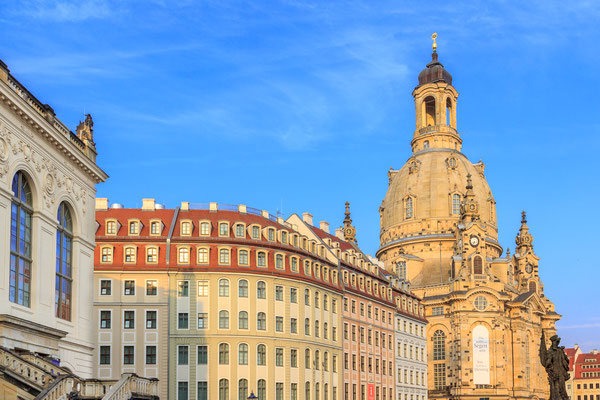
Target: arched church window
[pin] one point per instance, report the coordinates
(64, 271)
(449, 121)
(429, 111)
(456, 204)
(409, 209)
(20, 241)
(439, 345)
(477, 265)
(532, 286)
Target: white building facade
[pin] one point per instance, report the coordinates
(411, 358)
(47, 230)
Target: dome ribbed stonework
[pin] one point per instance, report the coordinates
(431, 178)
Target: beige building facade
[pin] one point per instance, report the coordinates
(486, 308)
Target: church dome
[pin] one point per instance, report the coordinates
(434, 72)
(424, 196)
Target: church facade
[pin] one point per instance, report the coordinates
(486, 308)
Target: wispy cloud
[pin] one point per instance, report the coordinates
(66, 10)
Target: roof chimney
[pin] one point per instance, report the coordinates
(339, 233)
(307, 217)
(595, 351)
(148, 204)
(101, 204)
(324, 225)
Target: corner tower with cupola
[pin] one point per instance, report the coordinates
(486, 309)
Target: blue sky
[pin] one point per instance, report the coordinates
(301, 105)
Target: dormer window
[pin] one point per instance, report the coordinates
(284, 237)
(155, 227)
(261, 259)
(240, 230)
(256, 232)
(223, 229)
(186, 228)
(134, 228)
(204, 228)
(271, 234)
(111, 227)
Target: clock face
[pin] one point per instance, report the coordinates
(474, 240)
(528, 268)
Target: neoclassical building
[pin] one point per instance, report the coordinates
(486, 308)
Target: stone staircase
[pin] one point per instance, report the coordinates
(41, 379)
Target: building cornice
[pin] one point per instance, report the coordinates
(50, 128)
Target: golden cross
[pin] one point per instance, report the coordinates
(434, 36)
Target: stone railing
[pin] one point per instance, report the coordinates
(26, 370)
(44, 363)
(131, 384)
(59, 389)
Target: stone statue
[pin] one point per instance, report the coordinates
(556, 363)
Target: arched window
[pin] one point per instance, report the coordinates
(306, 326)
(203, 256)
(261, 354)
(64, 257)
(243, 257)
(262, 389)
(224, 256)
(307, 390)
(532, 286)
(449, 116)
(527, 376)
(106, 254)
(223, 229)
(408, 208)
(456, 204)
(477, 265)
(129, 254)
(223, 287)
(317, 299)
(183, 255)
(223, 319)
(204, 228)
(316, 359)
(243, 288)
(223, 389)
(439, 345)
(152, 255)
(279, 261)
(261, 259)
(307, 358)
(20, 241)
(261, 321)
(426, 144)
(243, 320)
(429, 111)
(243, 389)
(261, 290)
(243, 354)
(439, 355)
(307, 297)
(223, 354)
(317, 391)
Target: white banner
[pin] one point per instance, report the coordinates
(481, 355)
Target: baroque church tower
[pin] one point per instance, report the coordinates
(486, 309)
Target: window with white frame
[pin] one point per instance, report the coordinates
(223, 287)
(240, 230)
(130, 254)
(203, 255)
(243, 257)
(111, 227)
(224, 256)
(186, 228)
(152, 255)
(106, 254)
(261, 259)
(202, 288)
(204, 228)
(183, 255)
(223, 229)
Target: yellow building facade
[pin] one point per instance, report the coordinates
(486, 309)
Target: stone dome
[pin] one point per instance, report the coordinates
(434, 72)
(431, 177)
